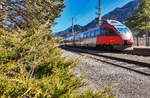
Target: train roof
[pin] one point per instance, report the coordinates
(114, 23)
(111, 22)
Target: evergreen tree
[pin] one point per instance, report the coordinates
(31, 65)
(140, 19)
(27, 13)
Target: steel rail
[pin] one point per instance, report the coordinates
(137, 63)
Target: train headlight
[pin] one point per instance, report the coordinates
(128, 35)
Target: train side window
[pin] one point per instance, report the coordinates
(81, 37)
(77, 37)
(74, 38)
(110, 32)
(88, 34)
(84, 35)
(97, 32)
(92, 33)
(107, 31)
(103, 31)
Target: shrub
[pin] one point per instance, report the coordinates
(31, 66)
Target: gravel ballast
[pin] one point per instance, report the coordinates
(129, 84)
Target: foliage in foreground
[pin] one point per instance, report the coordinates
(31, 66)
(28, 13)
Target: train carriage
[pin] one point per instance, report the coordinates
(111, 33)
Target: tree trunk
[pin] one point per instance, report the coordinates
(146, 38)
(137, 39)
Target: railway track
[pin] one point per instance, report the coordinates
(139, 52)
(132, 65)
(132, 51)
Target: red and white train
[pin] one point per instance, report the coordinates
(111, 33)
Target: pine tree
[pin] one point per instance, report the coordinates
(31, 65)
(28, 13)
(140, 19)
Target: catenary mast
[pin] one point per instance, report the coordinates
(99, 13)
(73, 26)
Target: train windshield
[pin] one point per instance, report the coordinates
(125, 32)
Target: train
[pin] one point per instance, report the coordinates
(110, 34)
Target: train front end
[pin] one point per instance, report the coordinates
(124, 33)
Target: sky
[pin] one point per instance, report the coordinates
(84, 11)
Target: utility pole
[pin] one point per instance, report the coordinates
(99, 13)
(73, 26)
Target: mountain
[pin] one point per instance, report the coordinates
(68, 31)
(119, 14)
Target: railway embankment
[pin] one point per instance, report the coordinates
(128, 84)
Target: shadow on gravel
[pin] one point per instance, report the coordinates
(68, 49)
(95, 50)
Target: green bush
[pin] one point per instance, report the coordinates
(31, 66)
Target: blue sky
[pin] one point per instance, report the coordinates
(84, 11)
